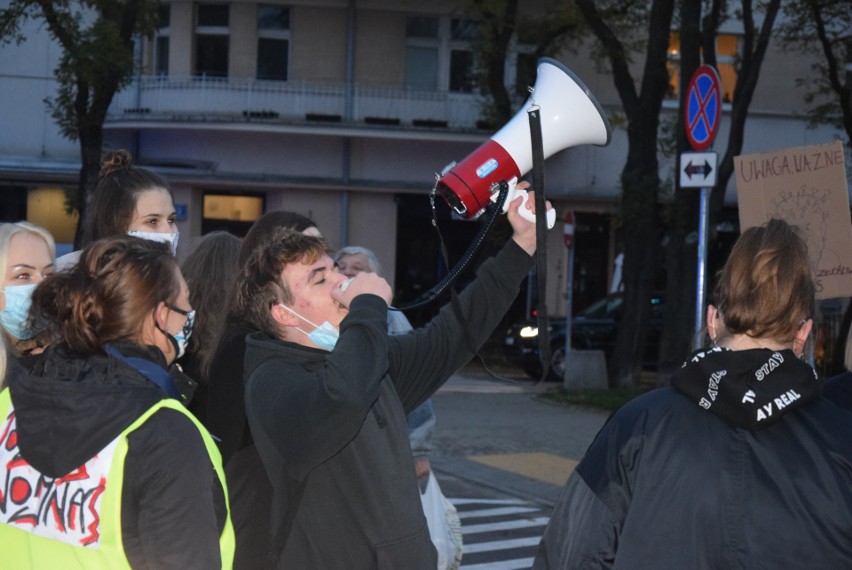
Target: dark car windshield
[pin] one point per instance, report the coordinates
(603, 308)
(610, 308)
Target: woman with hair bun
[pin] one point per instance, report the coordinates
(107, 467)
(26, 256)
(129, 200)
(739, 463)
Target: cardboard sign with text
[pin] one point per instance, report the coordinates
(806, 187)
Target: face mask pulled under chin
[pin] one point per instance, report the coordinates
(169, 238)
(324, 336)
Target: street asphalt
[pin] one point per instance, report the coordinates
(501, 434)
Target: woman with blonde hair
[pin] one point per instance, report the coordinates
(27, 256)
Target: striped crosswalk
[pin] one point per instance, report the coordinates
(499, 534)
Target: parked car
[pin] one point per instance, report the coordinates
(593, 328)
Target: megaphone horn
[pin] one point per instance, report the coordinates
(570, 116)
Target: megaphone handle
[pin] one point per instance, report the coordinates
(514, 192)
(528, 215)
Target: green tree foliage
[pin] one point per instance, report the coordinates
(756, 38)
(551, 26)
(97, 42)
(823, 29)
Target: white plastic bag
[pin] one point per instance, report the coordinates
(444, 525)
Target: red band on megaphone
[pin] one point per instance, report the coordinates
(467, 187)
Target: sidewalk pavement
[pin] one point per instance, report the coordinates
(502, 435)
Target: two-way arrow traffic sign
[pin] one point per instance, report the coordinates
(697, 169)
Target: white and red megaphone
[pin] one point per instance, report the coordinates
(570, 116)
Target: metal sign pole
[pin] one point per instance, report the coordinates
(703, 221)
(569, 298)
(702, 112)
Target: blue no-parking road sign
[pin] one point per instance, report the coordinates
(703, 108)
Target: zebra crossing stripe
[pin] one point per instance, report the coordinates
(518, 564)
(505, 525)
(501, 545)
(496, 512)
(458, 502)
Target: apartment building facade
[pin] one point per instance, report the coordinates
(343, 110)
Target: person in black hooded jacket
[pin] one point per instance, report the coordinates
(739, 463)
(107, 467)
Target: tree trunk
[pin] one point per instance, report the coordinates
(680, 251)
(639, 182)
(91, 145)
(681, 279)
(641, 226)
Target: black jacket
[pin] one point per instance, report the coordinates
(669, 483)
(249, 489)
(225, 411)
(68, 408)
(839, 390)
(330, 427)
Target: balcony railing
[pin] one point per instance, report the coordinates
(197, 98)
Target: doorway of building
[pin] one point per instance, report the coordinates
(231, 212)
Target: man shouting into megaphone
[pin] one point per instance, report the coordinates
(327, 392)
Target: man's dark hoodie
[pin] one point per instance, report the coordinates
(70, 407)
(330, 426)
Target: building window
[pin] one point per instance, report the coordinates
(421, 53)
(212, 40)
(161, 41)
(462, 61)
(439, 54)
(273, 42)
(727, 46)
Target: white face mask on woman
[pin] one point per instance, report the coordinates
(169, 238)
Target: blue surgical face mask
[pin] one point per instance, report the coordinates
(19, 298)
(324, 336)
(171, 239)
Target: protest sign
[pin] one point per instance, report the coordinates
(806, 187)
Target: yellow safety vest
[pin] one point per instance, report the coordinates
(75, 521)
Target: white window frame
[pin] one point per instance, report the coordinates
(275, 34)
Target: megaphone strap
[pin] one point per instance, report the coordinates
(465, 260)
(540, 239)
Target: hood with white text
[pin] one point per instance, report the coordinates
(749, 389)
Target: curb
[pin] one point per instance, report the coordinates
(538, 492)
